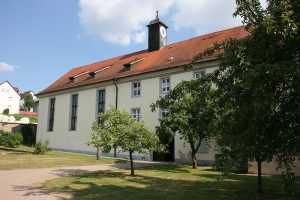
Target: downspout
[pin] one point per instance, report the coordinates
(116, 106)
(117, 91)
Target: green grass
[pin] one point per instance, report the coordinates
(22, 158)
(167, 182)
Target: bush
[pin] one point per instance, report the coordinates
(6, 111)
(41, 148)
(12, 140)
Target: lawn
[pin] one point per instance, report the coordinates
(22, 158)
(166, 182)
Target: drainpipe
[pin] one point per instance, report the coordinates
(117, 93)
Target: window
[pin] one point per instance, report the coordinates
(2, 89)
(136, 89)
(101, 104)
(74, 105)
(165, 85)
(135, 113)
(10, 99)
(163, 112)
(51, 114)
(7, 90)
(199, 74)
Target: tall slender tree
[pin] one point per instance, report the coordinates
(190, 113)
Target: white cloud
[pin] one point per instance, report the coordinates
(120, 21)
(123, 22)
(205, 16)
(6, 67)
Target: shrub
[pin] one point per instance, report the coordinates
(12, 140)
(41, 148)
(6, 111)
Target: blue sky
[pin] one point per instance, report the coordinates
(40, 40)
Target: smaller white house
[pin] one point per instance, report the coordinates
(34, 97)
(9, 98)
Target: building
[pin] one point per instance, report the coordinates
(9, 98)
(34, 97)
(132, 82)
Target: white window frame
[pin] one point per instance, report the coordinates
(136, 91)
(165, 85)
(199, 74)
(162, 112)
(136, 113)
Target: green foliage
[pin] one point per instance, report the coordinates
(28, 101)
(190, 113)
(6, 111)
(259, 84)
(120, 129)
(12, 140)
(41, 148)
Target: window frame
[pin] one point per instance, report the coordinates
(74, 112)
(137, 89)
(162, 112)
(100, 103)
(135, 115)
(50, 126)
(202, 72)
(162, 85)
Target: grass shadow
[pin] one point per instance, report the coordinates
(16, 151)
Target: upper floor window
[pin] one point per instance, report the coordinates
(136, 89)
(101, 103)
(135, 113)
(74, 105)
(165, 85)
(51, 114)
(163, 112)
(10, 99)
(199, 74)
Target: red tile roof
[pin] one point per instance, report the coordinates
(171, 55)
(21, 112)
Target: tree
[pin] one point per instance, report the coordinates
(121, 130)
(190, 113)
(28, 101)
(258, 84)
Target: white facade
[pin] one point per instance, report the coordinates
(150, 90)
(9, 98)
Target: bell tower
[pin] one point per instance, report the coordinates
(157, 34)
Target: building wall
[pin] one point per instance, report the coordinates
(9, 98)
(271, 168)
(64, 139)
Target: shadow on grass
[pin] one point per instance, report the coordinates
(14, 151)
(119, 185)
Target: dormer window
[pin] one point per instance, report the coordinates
(127, 67)
(92, 74)
(72, 79)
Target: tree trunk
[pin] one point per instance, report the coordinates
(259, 181)
(194, 159)
(115, 151)
(98, 154)
(131, 163)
